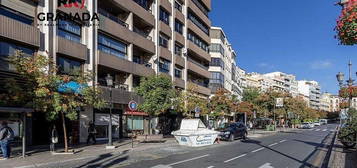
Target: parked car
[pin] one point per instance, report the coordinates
(232, 131)
(306, 125)
(317, 123)
(312, 125)
(323, 121)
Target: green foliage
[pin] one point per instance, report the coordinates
(221, 104)
(158, 94)
(250, 94)
(42, 82)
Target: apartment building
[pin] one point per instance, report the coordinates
(223, 67)
(311, 90)
(284, 82)
(325, 102)
(129, 40)
(335, 103)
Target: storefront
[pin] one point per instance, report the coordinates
(136, 121)
(102, 125)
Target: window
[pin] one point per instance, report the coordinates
(15, 15)
(69, 30)
(217, 77)
(111, 46)
(68, 66)
(200, 43)
(138, 123)
(164, 41)
(178, 6)
(143, 3)
(8, 49)
(198, 23)
(217, 48)
(164, 66)
(178, 72)
(217, 62)
(178, 26)
(200, 5)
(164, 16)
(178, 49)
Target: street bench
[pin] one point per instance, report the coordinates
(150, 138)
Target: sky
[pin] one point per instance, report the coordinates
(292, 36)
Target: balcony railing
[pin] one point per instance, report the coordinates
(198, 64)
(142, 62)
(144, 4)
(112, 17)
(142, 33)
(201, 7)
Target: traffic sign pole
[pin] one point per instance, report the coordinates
(132, 107)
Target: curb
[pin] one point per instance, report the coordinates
(331, 152)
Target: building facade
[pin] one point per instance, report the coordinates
(129, 40)
(284, 82)
(311, 90)
(223, 67)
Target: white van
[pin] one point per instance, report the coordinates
(323, 121)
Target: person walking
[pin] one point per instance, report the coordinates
(54, 138)
(91, 133)
(6, 135)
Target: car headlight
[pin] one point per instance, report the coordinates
(226, 133)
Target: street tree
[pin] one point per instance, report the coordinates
(43, 84)
(221, 104)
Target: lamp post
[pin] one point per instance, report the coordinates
(109, 80)
(349, 82)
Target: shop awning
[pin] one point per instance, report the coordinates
(136, 113)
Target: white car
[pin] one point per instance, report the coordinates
(317, 123)
(306, 125)
(323, 121)
(312, 125)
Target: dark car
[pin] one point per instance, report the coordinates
(232, 131)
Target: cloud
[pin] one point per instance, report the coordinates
(265, 65)
(321, 64)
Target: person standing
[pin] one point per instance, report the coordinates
(91, 133)
(6, 135)
(54, 138)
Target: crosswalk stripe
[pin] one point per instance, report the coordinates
(317, 130)
(324, 130)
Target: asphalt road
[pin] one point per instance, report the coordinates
(303, 148)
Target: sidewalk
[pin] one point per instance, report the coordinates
(262, 133)
(342, 157)
(98, 156)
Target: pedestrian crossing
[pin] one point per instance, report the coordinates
(322, 130)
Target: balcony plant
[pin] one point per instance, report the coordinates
(346, 24)
(346, 92)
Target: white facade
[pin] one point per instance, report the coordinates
(310, 89)
(284, 82)
(224, 71)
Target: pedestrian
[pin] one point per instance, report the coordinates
(54, 138)
(6, 135)
(91, 133)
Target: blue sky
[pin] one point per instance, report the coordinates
(295, 36)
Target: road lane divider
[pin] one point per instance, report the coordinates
(187, 160)
(282, 141)
(257, 150)
(273, 144)
(235, 158)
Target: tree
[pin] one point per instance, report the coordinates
(267, 100)
(44, 83)
(188, 100)
(246, 107)
(221, 104)
(250, 94)
(158, 94)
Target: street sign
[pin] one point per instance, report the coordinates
(133, 106)
(197, 109)
(279, 102)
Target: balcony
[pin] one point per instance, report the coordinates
(138, 9)
(165, 53)
(73, 9)
(179, 82)
(198, 68)
(120, 95)
(200, 89)
(15, 30)
(71, 48)
(194, 28)
(198, 12)
(142, 33)
(122, 32)
(179, 60)
(166, 5)
(179, 38)
(179, 16)
(120, 64)
(198, 51)
(165, 29)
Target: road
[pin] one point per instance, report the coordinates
(303, 148)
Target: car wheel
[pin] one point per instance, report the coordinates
(244, 136)
(231, 137)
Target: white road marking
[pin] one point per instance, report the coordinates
(49, 163)
(282, 141)
(324, 130)
(257, 150)
(266, 165)
(187, 160)
(332, 130)
(210, 167)
(317, 130)
(273, 144)
(161, 166)
(235, 158)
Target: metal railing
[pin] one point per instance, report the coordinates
(198, 64)
(112, 17)
(201, 7)
(142, 33)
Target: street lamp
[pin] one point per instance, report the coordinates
(109, 80)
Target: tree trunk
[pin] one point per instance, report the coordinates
(64, 132)
(149, 125)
